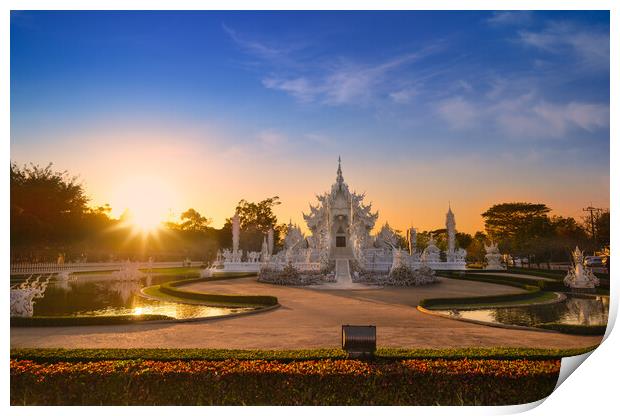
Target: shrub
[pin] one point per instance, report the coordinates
(170, 288)
(403, 275)
(290, 276)
(575, 329)
(39, 321)
(258, 382)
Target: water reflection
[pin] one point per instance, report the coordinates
(103, 295)
(576, 310)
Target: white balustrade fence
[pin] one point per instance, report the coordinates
(38, 268)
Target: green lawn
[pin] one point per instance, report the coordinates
(536, 298)
(50, 355)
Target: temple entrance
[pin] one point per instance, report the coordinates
(341, 241)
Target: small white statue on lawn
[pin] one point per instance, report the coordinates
(579, 276)
(493, 257)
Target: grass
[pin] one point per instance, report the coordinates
(45, 321)
(52, 355)
(172, 289)
(157, 293)
(575, 329)
(533, 299)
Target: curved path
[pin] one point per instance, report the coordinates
(311, 318)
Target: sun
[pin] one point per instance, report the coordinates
(146, 202)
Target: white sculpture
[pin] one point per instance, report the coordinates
(431, 253)
(264, 251)
(23, 295)
(493, 257)
(579, 276)
(270, 241)
(294, 237)
(236, 227)
(129, 271)
(412, 236)
(451, 230)
(397, 259)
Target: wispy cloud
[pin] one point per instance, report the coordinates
(589, 44)
(510, 18)
(300, 88)
(344, 82)
(525, 116)
(254, 47)
(337, 81)
(458, 112)
(271, 137)
(404, 95)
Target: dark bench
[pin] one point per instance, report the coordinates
(359, 341)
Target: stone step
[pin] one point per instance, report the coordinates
(342, 269)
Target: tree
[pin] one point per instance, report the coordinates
(463, 240)
(507, 220)
(258, 215)
(256, 219)
(475, 249)
(602, 228)
(46, 205)
(192, 220)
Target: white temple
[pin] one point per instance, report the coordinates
(340, 227)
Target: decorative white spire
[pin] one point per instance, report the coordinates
(339, 178)
(451, 229)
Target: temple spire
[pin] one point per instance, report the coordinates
(339, 178)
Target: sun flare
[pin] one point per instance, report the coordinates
(146, 201)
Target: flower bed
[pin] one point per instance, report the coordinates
(259, 382)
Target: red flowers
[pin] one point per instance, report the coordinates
(413, 381)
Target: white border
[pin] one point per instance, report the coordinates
(591, 390)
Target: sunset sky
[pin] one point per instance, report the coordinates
(202, 109)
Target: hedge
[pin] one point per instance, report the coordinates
(42, 321)
(553, 274)
(258, 382)
(521, 282)
(52, 355)
(230, 275)
(575, 329)
(438, 302)
(170, 288)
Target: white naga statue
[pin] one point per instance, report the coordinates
(579, 276)
(493, 257)
(23, 295)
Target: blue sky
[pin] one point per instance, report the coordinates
(439, 106)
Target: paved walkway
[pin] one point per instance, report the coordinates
(311, 318)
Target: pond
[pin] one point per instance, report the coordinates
(100, 295)
(577, 309)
